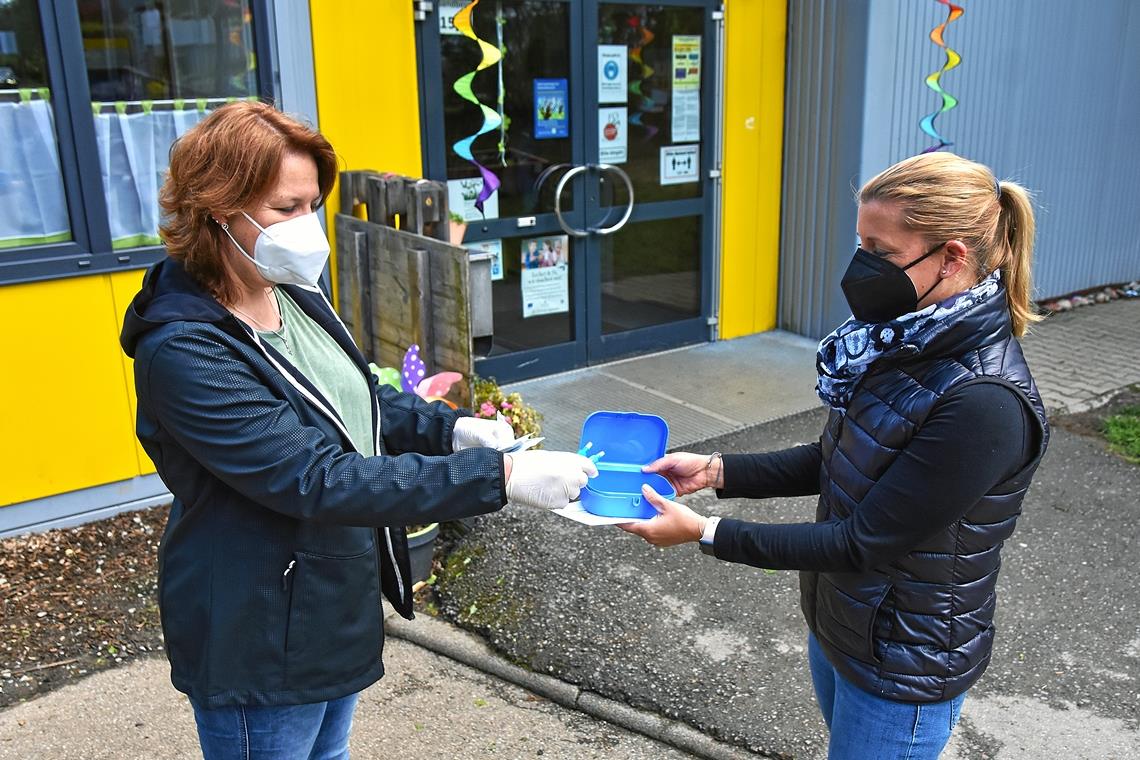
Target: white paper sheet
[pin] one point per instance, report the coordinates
(578, 514)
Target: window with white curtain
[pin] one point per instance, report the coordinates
(33, 204)
(154, 70)
(92, 96)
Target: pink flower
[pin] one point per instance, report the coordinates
(505, 405)
(487, 409)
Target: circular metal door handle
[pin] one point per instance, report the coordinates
(628, 209)
(558, 203)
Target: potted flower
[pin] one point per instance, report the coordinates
(488, 400)
(421, 546)
(457, 226)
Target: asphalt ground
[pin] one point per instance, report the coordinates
(721, 646)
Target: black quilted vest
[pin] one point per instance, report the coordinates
(919, 629)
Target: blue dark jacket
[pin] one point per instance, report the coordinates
(281, 537)
(921, 479)
(919, 628)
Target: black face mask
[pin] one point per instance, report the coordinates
(879, 291)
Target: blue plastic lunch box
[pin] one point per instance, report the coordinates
(629, 441)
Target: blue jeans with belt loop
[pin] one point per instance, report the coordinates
(316, 731)
(866, 727)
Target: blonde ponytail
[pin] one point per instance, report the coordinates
(1013, 253)
(947, 197)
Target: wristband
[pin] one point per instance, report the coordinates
(708, 466)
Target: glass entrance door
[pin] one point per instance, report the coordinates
(576, 140)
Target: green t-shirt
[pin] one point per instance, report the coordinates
(313, 351)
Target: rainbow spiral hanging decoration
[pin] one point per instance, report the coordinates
(645, 102)
(491, 118)
(932, 81)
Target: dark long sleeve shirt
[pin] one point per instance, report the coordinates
(975, 438)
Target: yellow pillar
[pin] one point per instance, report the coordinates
(364, 57)
(756, 32)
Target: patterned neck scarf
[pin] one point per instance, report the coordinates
(846, 355)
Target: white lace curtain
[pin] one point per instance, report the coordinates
(134, 153)
(33, 205)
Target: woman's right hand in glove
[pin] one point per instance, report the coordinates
(547, 479)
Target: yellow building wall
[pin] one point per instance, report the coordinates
(364, 57)
(756, 32)
(69, 420)
(124, 285)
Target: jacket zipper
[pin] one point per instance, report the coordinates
(285, 575)
(340, 426)
(375, 443)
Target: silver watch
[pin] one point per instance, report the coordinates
(708, 537)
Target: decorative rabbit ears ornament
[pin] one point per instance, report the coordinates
(412, 379)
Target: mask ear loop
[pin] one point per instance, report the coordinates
(226, 229)
(923, 257)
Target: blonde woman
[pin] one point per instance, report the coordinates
(934, 434)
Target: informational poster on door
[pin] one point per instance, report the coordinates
(447, 15)
(613, 129)
(461, 196)
(495, 248)
(686, 62)
(612, 67)
(686, 122)
(551, 109)
(545, 275)
(680, 164)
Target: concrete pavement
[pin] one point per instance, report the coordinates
(427, 707)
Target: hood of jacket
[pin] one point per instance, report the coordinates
(168, 294)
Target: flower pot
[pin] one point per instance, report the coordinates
(456, 231)
(421, 546)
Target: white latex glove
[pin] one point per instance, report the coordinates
(548, 479)
(474, 431)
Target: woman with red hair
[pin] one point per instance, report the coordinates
(293, 472)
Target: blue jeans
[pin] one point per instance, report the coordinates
(866, 727)
(290, 732)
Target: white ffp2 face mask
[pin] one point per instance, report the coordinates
(292, 252)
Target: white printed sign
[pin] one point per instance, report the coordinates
(545, 291)
(686, 62)
(680, 164)
(495, 248)
(613, 128)
(447, 15)
(461, 196)
(686, 116)
(612, 68)
(545, 263)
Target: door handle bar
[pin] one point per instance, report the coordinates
(629, 207)
(574, 231)
(598, 230)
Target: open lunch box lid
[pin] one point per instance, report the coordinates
(629, 441)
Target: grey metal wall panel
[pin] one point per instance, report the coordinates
(294, 43)
(823, 137)
(1043, 100)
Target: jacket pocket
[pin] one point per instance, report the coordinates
(334, 631)
(874, 618)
